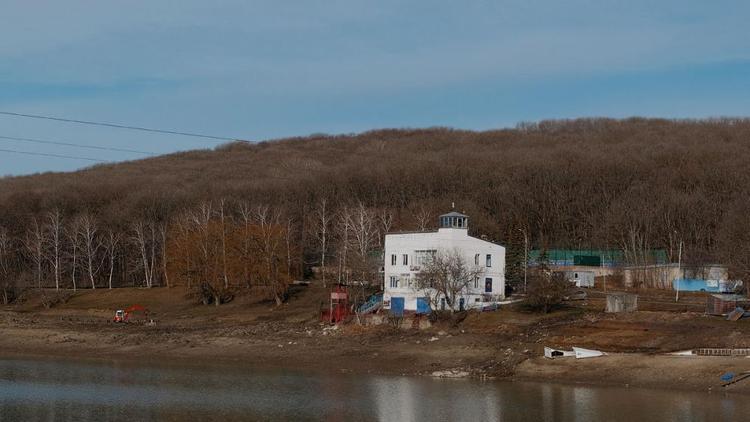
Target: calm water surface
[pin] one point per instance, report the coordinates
(48, 390)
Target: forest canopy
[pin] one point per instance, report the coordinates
(634, 184)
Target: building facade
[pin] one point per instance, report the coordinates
(580, 278)
(406, 254)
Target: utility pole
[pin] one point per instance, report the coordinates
(679, 273)
(604, 272)
(525, 257)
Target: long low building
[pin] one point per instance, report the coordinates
(406, 254)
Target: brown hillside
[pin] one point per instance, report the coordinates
(630, 184)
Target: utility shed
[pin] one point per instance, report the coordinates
(580, 278)
(722, 304)
(621, 302)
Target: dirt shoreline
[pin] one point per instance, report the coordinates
(619, 369)
(503, 345)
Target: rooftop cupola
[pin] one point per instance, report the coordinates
(454, 220)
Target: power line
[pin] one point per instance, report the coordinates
(119, 126)
(43, 154)
(68, 144)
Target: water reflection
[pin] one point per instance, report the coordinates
(47, 390)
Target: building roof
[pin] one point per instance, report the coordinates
(454, 214)
(412, 232)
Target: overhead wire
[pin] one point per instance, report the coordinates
(121, 126)
(70, 144)
(44, 154)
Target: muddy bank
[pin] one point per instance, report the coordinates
(639, 370)
(507, 344)
(373, 350)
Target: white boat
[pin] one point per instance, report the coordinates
(581, 353)
(556, 353)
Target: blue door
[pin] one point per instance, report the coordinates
(461, 304)
(397, 306)
(423, 305)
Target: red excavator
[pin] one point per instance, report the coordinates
(124, 315)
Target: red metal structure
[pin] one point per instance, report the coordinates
(338, 306)
(124, 315)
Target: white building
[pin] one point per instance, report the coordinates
(405, 253)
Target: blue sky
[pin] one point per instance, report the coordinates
(268, 69)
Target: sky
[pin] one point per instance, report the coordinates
(257, 70)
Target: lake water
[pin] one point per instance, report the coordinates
(49, 390)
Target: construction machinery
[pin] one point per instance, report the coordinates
(124, 315)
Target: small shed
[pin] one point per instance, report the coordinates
(621, 302)
(580, 278)
(722, 304)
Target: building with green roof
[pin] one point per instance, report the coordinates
(592, 257)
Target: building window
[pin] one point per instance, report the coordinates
(476, 259)
(405, 259)
(423, 257)
(476, 282)
(393, 259)
(489, 260)
(393, 280)
(488, 285)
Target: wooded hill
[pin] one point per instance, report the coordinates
(634, 184)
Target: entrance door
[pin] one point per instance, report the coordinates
(461, 304)
(397, 306)
(423, 305)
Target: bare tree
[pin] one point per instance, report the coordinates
(163, 232)
(184, 225)
(34, 244)
(222, 220)
(364, 234)
(321, 216)
(91, 246)
(112, 247)
(144, 238)
(201, 219)
(268, 221)
(446, 276)
(55, 234)
(385, 218)
(547, 289)
(343, 226)
(246, 213)
(6, 281)
(423, 216)
(73, 236)
(289, 246)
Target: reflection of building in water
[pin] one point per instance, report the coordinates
(394, 398)
(413, 399)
